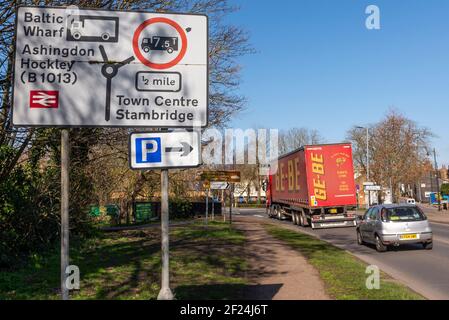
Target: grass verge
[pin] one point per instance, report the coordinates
(205, 263)
(343, 274)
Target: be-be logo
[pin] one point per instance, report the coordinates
(148, 150)
(44, 99)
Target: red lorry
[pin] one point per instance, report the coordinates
(314, 186)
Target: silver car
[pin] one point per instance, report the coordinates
(394, 225)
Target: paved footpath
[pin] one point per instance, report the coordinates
(434, 215)
(277, 272)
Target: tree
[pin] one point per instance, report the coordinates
(398, 151)
(295, 138)
(445, 189)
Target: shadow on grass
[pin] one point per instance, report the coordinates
(227, 292)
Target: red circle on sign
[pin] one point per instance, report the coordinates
(147, 62)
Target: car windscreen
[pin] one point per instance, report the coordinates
(403, 214)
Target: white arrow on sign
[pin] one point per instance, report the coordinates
(162, 150)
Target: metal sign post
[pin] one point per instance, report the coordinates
(165, 292)
(213, 207)
(230, 203)
(65, 162)
(207, 205)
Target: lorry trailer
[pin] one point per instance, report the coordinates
(314, 186)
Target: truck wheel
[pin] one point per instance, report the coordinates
(302, 223)
(146, 49)
(76, 35)
(279, 214)
(105, 36)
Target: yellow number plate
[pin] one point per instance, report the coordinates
(409, 236)
(333, 210)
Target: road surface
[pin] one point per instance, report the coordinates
(425, 271)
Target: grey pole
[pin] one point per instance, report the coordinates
(165, 292)
(438, 179)
(65, 163)
(213, 207)
(367, 164)
(231, 196)
(207, 205)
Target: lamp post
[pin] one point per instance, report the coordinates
(437, 179)
(367, 161)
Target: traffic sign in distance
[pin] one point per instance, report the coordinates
(372, 188)
(220, 176)
(162, 150)
(219, 185)
(110, 68)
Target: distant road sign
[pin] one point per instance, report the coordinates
(368, 183)
(220, 176)
(219, 185)
(157, 150)
(103, 68)
(372, 188)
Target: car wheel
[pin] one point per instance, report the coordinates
(428, 245)
(360, 239)
(380, 247)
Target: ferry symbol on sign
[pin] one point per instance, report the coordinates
(44, 99)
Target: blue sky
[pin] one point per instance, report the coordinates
(317, 66)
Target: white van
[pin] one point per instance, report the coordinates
(407, 201)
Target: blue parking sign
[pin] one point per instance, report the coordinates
(148, 150)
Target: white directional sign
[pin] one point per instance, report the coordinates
(219, 185)
(110, 68)
(158, 150)
(372, 188)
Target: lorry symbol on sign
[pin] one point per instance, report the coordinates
(93, 29)
(160, 43)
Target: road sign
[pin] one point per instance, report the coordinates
(372, 188)
(368, 183)
(158, 150)
(110, 68)
(219, 185)
(220, 176)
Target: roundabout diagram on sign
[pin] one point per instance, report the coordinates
(159, 43)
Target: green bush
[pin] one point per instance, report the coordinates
(180, 208)
(445, 189)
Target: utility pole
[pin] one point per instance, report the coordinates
(165, 292)
(437, 179)
(65, 185)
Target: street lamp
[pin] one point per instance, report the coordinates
(436, 175)
(367, 161)
(437, 178)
